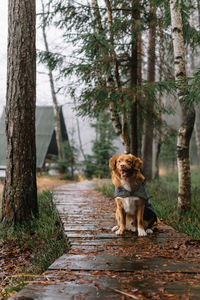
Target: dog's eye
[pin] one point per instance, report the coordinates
(129, 162)
(119, 161)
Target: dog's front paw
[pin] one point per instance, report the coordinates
(119, 232)
(115, 228)
(141, 232)
(149, 230)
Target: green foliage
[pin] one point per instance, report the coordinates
(15, 285)
(107, 188)
(43, 238)
(96, 164)
(49, 239)
(190, 33)
(165, 194)
(68, 164)
(90, 62)
(52, 60)
(164, 199)
(168, 149)
(194, 87)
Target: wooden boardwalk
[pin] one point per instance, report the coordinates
(101, 265)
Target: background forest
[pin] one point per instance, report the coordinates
(118, 57)
(131, 70)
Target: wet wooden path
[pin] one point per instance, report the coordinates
(101, 265)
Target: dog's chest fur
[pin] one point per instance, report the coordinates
(130, 204)
(126, 185)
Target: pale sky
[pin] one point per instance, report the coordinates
(43, 90)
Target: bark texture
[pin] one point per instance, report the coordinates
(56, 112)
(139, 95)
(149, 119)
(159, 121)
(197, 106)
(197, 130)
(109, 81)
(20, 191)
(188, 113)
(134, 77)
(124, 119)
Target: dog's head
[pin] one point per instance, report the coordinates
(125, 164)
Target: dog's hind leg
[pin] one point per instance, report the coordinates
(149, 230)
(140, 225)
(147, 225)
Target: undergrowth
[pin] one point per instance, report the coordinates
(164, 194)
(44, 238)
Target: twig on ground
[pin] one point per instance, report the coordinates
(124, 293)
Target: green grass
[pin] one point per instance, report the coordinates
(164, 195)
(44, 238)
(0, 202)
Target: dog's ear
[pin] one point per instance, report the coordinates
(138, 164)
(112, 161)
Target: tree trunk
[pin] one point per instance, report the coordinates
(159, 122)
(197, 130)
(110, 85)
(125, 134)
(188, 113)
(124, 122)
(149, 119)
(57, 123)
(139, 95)
(197, 105)
(20, 190)
(134, 78)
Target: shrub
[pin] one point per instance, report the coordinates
(96, 164)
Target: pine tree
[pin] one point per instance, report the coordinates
(20, 191)
(109, 69)
(96, 164)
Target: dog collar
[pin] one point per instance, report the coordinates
(139, 192)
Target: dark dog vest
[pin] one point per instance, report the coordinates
(140, 192)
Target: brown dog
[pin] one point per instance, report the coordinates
(130, 195)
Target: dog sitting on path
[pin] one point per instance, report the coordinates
(134, 211)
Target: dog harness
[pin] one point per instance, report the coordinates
(140, 192)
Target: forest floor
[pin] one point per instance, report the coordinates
(17, 252)
(46, 183)
(101, 265)
(43, 183)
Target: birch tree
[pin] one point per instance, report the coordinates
(188, 113)
(197, 105)
(20, 191)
